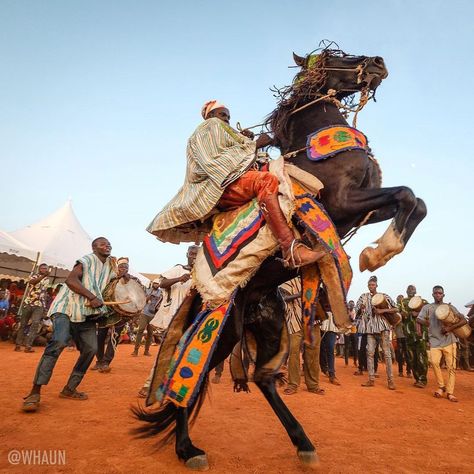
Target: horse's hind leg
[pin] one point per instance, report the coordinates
(194, 458)
(304, 448)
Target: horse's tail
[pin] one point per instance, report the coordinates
(163, 420)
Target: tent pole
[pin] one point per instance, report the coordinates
(28, 284)
(55, 273)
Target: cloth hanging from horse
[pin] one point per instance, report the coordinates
(334, 270)
(191, 357)
(329, 141)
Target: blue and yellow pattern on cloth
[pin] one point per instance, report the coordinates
(328, 141)
(192, 356)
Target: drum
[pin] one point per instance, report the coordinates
(379, 301)
(463, 332)
(416, 303)
(448, 317)
(130, 294)
(445, 314)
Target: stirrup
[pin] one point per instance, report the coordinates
(290, 261)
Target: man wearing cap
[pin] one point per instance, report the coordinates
(106, 355)
(153, 301)
(74, 313)
(220, 174)
(377, 328)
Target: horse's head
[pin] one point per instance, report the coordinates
(334, 69)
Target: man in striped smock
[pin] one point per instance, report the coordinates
(377, 328)
(73, 313)
(220, 174)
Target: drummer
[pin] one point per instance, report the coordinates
(416, 339)
(441, 343)
(78, 300)
(377, 328)
(106, 355)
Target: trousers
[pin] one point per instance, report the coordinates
(311, 369)
(372, 341)
(85, 338)
(449, 353)
(33, 314)
(252, 184)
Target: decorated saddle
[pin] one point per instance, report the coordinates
(230, 255)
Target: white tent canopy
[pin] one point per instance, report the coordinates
(16, 258)
(12, 246)
(59, 238)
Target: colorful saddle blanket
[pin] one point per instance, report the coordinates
(329, 141)
(231, 232)
(232, 252)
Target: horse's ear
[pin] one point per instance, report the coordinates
(299, 61)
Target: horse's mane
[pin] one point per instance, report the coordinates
(306, 85)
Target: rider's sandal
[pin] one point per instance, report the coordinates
(452, 398)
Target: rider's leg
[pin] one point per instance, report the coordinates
(264, 186)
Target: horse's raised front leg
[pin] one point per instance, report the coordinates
(398, 203)
(194, 458)
(393, 241)
(418, 214)
(304, 448)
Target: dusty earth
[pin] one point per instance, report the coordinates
(355, 429)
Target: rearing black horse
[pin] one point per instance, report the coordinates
(352, 178)
(352, 195)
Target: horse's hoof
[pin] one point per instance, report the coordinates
(198, 463)
(309, 458)
(364, 259)
(369, 259)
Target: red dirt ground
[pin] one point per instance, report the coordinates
(355, 429)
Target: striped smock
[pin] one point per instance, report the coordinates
(367, 321)
(95, 276)
(217, 155)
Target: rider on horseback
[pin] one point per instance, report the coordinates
(221, 174)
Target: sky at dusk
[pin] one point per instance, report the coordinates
(98, 99)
